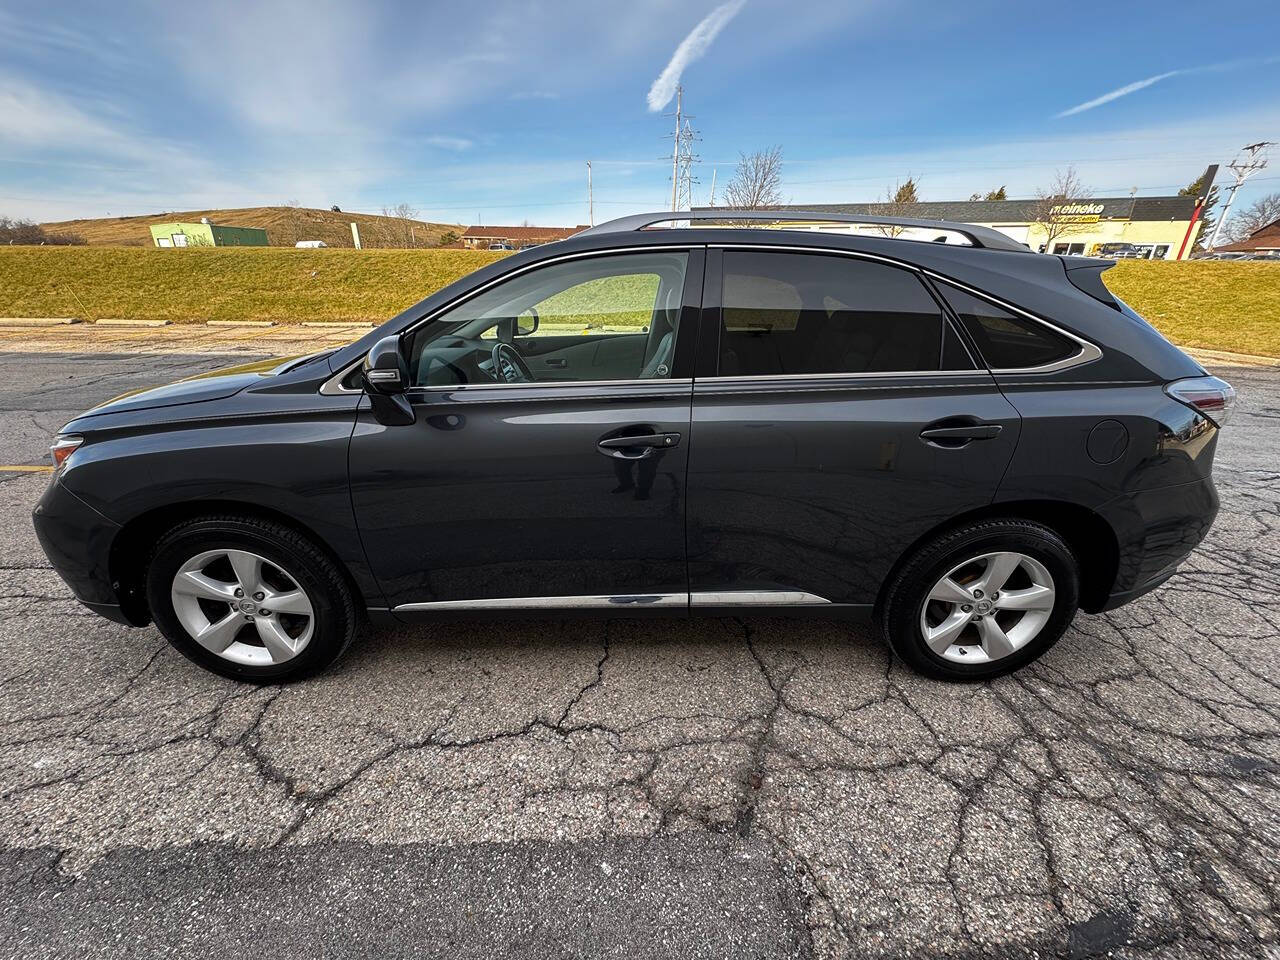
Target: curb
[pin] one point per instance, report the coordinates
(240, 323)
(125, 322)
(337, 324)
(1250, 358)
(37, 321)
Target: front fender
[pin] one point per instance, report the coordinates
(291, 462)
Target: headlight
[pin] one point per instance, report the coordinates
(63, 446)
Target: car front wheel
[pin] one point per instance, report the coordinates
(249, 599)
(982, 600)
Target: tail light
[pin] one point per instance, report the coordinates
(1213, 397)
(63, 446)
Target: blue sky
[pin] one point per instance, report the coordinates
(487, 111)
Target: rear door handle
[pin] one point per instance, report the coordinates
(978, 431)
(961, 435)
(633, 448)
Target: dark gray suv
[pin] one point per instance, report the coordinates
(965, 441)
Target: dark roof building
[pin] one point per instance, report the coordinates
(1264, 238)
(1157, 228)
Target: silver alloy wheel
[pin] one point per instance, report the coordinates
(242, 607)
(987, 607)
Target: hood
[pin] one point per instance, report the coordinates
(214, 385)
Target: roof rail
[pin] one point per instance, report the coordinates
(976, 235)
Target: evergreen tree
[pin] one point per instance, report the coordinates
(1206, 219)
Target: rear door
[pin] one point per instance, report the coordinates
(558, 487)
(839, 416)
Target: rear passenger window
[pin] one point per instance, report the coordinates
(795, 313)
(1005, 340)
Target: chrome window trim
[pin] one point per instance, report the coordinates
(333, 386)
(977, 372)
(1089, 351)
(556, 384)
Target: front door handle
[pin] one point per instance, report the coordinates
(635, 447)
(960, 435)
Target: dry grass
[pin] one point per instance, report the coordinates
(1216, 304)
(1212, 304)
(285, 226)
(247, 283)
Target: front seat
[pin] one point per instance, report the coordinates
(659, 363)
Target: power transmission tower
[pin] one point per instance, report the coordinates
(1249, 161)
(682, 156)
(684, 196)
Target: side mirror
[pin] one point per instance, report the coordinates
(384, 370)
(527, 326)
(385, 375)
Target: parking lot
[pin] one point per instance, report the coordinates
(710, 788)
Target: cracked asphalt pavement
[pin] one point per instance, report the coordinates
(711, 788)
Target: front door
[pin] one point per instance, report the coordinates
(546, 465)
(841, 419)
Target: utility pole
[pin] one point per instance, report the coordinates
(591, 205)
(1249, 161)
(711, 201)
(682, 157)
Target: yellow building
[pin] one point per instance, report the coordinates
(1129, 227)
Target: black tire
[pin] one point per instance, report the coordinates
(907, 592)
(334, 611)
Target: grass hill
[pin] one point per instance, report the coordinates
(1204, 303)
(285, 226)
(196, 284)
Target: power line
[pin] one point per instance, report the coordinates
(1251, 159)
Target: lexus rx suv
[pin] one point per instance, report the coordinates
(965, 442)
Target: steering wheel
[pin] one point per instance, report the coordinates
(508, 365)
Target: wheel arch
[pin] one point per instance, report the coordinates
(1090, 537)
(132, 545)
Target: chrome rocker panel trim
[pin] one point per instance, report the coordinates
(736, 598)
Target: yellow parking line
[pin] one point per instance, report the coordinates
(26, 469)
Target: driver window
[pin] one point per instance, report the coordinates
(602, 318)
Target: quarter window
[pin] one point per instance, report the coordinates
(603, 318)
(1005, 340)
(795, 314)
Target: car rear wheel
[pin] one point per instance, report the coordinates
(982, 601)
(249, 599)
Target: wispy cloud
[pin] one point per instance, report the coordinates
(1137, 85)
(1119, 92)
(691, 48)
(449, 143)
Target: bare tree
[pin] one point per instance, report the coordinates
(757, 181)
(14, 232)
(1263, 212)
(407, 228)
(1061, 209)
(897, 202)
